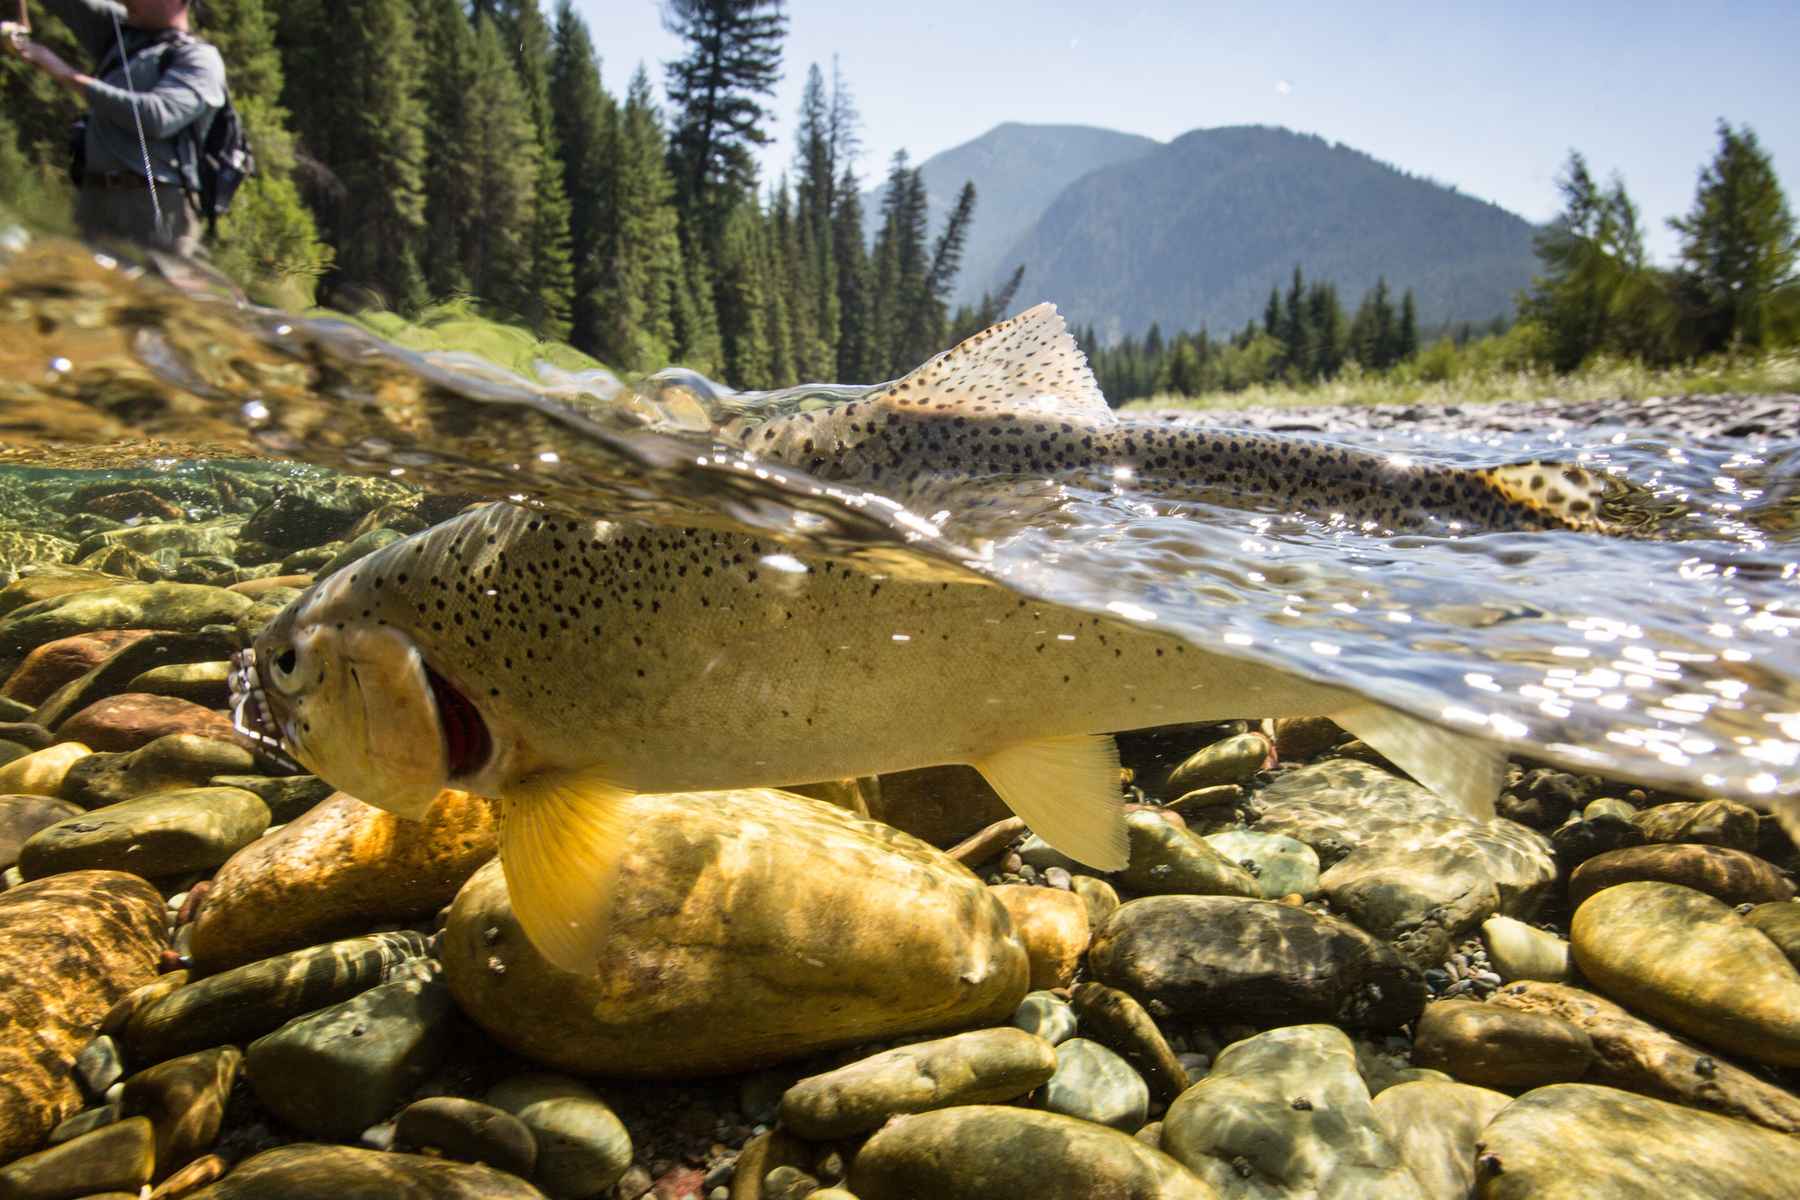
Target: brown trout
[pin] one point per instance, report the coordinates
(562, 665)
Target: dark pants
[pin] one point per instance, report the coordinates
(127, 214)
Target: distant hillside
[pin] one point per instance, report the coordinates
(1018, 170)
(1196, 231)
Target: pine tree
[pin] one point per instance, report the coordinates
(587, 129)
(816, 270)
(640, 280)
(743, 302)
(850, 265)
(733, 57)
(1739, 244)
(1592, 293)
(1406, 342)
(269, 240)
(931, 323)
(452, 186)
(499, 143)
(353, 70)
(550, 292)
(898, 271)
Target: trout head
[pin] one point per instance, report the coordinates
(353, 700)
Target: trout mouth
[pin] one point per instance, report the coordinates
(467, 744)
(251, 719)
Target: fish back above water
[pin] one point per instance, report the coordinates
(1017, 401)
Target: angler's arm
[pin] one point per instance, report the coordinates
(91, 21)
(194, 82)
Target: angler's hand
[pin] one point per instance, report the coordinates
(48, 61)
(15, 37)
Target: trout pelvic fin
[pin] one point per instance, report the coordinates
(561, 835)
(1461, 769)
(1067, 789)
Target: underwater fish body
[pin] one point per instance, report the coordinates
(562, 665)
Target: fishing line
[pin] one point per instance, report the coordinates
(138, 118)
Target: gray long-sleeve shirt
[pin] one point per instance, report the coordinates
(189, 91)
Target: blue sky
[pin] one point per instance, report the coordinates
(1490, 98)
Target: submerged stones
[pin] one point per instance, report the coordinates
(1577, 1141)
(1232, 959)
(154, 836)
(1287, 1113)
(1404, 864)
(734, 942)
(1733, 876)
(1498, 1047)
(977, 1152)
(982, 1067)
(314, 1172)
(582, 1147)
(70, 946)
(1686, 959)
(335, 870)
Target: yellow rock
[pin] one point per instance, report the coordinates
(337, 869)
(748, 927)
(1054, 927)
(41, 772)
(1690, 962)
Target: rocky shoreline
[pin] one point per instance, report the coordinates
(1313, 978)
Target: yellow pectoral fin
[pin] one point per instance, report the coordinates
(560, 839)
(1067, 789)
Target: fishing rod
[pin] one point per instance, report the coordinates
(137, 115)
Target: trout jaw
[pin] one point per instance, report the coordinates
(358, 707)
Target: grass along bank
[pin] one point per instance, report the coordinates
(1453, 377)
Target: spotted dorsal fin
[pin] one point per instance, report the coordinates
(1028, 365)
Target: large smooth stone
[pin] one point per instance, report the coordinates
(979, 1152)
(748, 927)
(70, 947)
(1632, 1054)
(1053, 924)
(312, 1172)
(176, 760)
(133, 719)
(64, 660)
(1689, 962)
(246, 1002)
(1520, 951)
(1712, 822)
(1731, 875)
(940, 805)
(1093, 1083)
(467, 1131)
(582, 1146)
(204, 683)
(985, 1066)
(1285, 866)
(1047, 1015)
(1579, 1141)
(41, 773)
(45, 584)
(1286, 1113)
(1779, 921)
(1231, 760)
(338, 1071)
(1166, 859)
(1405, 864)
(1115, 1020)
(218, 536)
(129, 606)
(339, 868)
(1436, 1126)
(1231, 959)
(116, 1157)
(1493, 1046)
(23, 816)
(169, 833)
(185, 1100)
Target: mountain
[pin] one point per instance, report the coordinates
(1196, 232)
(1017, 170)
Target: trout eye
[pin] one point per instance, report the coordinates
(286, 663)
